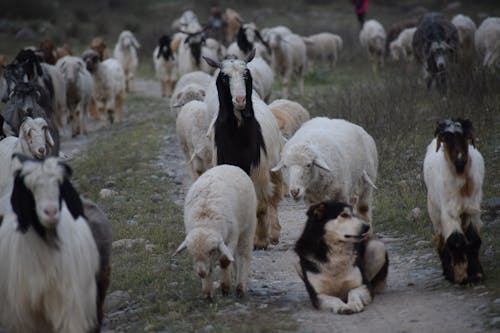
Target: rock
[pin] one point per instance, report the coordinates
(106, 193)
(492, 207)
(156, 197)
(115, 301)
(495, 321)
(208, 328)
(497, 301)
(415, 214)
(110, 183)
(128, 243)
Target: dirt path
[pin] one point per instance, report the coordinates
(417, 299)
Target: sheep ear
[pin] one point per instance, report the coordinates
(225, 251)
(278, 166)
(250, 56)
(48, 137)
(181, 247)
(320, 163)
(212, 62)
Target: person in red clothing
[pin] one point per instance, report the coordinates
(361, 6)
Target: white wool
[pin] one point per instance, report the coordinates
(262, 76)
(323, 47)
(290, 116)
(402, 46)
(466, 30)
(126, 53)
(372, 38)
(487, 41)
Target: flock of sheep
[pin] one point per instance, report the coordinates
(243, 151)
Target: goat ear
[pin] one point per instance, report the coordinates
(316, 211)
(250, 56)
(225, 251)
(320, 163)
(181, 247)
(212, 62)
(438, 143)
(278, 166)
(22, 203)
(71, 198)
(48, 138)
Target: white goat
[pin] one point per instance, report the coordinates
(372, 38)
(323, 47)
(48, 257)
(126, 53)
(487, 41)
(109, 92)
(289, 57)
(331, 159)
(192, 126)
(79, 90)
(402, 46)
(219, 215)
(290, 116)
(466, 30)
(453, 175)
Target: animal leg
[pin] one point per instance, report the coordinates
(277, 180)
(242, 266)
(376, 264)
(225, 285)
(474, 269)
(261, 240)
(358, 298)
(334, 304)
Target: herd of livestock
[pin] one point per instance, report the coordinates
(244, 153)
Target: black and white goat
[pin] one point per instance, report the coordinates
(247, 135)
(50, 262)
(248, 39)
(165, 65)
(435, 45)
(453, 174)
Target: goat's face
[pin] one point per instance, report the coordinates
(14, 73)
(36, 137)
(91, 59)
(439, 55)
(71, 71)
(234, 74)
(195, 42)
(455, 135)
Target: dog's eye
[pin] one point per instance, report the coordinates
(345, 215)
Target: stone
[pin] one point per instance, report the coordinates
(106, 193)
(115, 301)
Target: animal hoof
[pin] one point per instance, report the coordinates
(345, 310)
(240, 293)
(224, 289)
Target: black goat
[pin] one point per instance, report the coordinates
(164, 49)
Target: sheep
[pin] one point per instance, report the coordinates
(263, 77)
(402, 46)
(249, 38)
(331, 159)
(187, 22)
(63, 51)
(34, 140)
(48, 257)
(110, 86)
(99, 45)
(466, 29)
(395, 30)
(220, 221)
(246, 134)
(487, 42)
(192, 50)
(79, 91)
(279, 29)
(126, 53)
(190, 87)
(323, 47)
(435, 45)
(165, 65)
(288, 57)
(192, 124)
(453, 174)
(290, 116)
(233, 22)
(372, 38)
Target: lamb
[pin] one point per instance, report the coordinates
(372, 38)
(34, 141)
(435, 45)
(249, 38)
(79, 91)
(402, 46)
(466, 29)
(192, 125)
(126, 53)
(324, 48)
(45, 235)
(165, 65)
(220, 221)
(190, 87)
(453, 174)
(110, 86)
(331, 159)
(290, 116)
(288, 57)
(487, 42)
(247, 135)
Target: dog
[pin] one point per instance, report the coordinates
(341, 266)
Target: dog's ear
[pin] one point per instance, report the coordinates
(316, 211)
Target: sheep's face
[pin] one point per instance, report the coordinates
(44, 181)
(71, 71)
(274, 40)
(346, 227)
(91, 59)
(36, 137)
(455, 135)
(440, 55)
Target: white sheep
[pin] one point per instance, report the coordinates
(49, 259)
(263, 77)
(331, 159)
(280, 29)
(323, 47)
(109, 92)
(402, 46)
(290, 116)
(453, 174)
(166, 67)
(190, 87)
(126, 53)
(289, 57)
(79, 91)
(220, 221)
(187, 22)
(192, 125)
(372, 38)
(466, 30)
(487, 41)
(34, 141)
